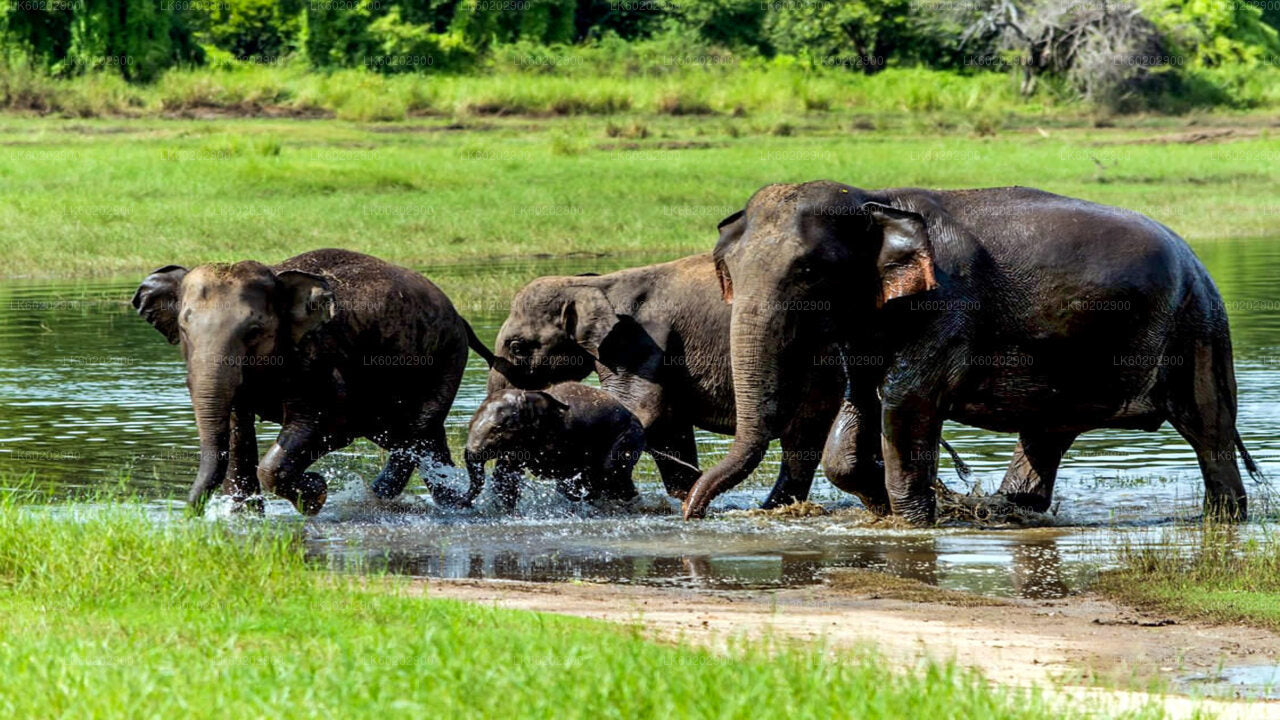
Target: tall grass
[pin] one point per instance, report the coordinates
(1221, 577)
(106, 612)
(367, 96)
(564, 88)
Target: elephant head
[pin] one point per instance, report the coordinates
(553, 334)
(511, 423)
(233, 322)
(803, 266)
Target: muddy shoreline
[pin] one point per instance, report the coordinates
(1083, 646)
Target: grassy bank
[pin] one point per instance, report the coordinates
(1224, 579)
(104, 613)
(545, 89)
(112, 198)
(543, 82)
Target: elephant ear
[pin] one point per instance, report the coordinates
(905, 262)
(307, 300)
(550, 400)
(588, 317)
(156, 300)
(730, 230)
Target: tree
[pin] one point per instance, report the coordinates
(859, 33)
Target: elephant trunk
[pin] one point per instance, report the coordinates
(755, 346)
(213, 386)
(475, 471)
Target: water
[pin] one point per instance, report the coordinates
(1243, 681)
(92, 395)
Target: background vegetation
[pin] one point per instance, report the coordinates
(1155, 54)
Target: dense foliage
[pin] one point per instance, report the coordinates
(1110, 52)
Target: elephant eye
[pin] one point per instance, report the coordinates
(520, 347)
(253, 333)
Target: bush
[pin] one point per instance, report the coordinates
(259, 29)
(404, 47)
(862, 34)
(137, 40)
(1215, 33)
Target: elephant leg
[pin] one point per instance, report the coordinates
(1029, 480)
(678, 459)
(801, 452)
(241, 483)
(422, 445)
(393, 478)
(802, 439)
(912, 431)
(507, 477)
(434, 448)
(283, 469)
(424, 436)
(852, 459)
(1202, 408)
(616, 482)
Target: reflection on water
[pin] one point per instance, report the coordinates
(91, 393)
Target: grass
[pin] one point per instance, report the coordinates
(1221, 578)
(106, 612)
(568, 90)
(109, 198)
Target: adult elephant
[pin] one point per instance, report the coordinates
(332, 344)
(1009, 309)
(658, 337)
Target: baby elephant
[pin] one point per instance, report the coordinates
(333, 345)
(577, 435)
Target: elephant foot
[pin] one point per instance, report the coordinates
(875, 504)
(445, 496)
(922, 512)
(775, 501)
(1226, 508)
(386, 488)
(250, 505)
(307, 494)
(1030, 501)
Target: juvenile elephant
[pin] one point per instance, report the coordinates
(331, 344)
(658, 336)
(1009, 309)
(581, 437)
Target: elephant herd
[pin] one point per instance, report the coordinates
(849, 324)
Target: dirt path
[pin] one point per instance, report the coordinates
(1063, 644)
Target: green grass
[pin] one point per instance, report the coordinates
(512, 90)
(109, 198)
(106, 613)
(1221, 579)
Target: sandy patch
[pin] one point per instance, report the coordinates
(1069, 646)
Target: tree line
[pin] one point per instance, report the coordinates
(1096, 47)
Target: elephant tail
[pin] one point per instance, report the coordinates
(674, 459)
(1255, 472)
(962, 468)
(479, 347)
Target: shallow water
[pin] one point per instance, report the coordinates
(1244, 681)
(91, 395)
